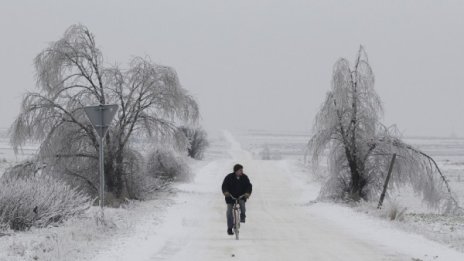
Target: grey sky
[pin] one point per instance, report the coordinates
(261, 64)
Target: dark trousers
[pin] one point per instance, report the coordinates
(229, 214)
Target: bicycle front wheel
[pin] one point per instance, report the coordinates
(236, 223)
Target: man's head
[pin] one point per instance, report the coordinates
(238, 169)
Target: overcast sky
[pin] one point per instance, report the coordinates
(261, 64)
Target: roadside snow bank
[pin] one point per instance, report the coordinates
(80, 238)
(383, 232)
(151, 241)
(413, 235)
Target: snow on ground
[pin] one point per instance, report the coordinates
(417, 218)
(280, 225)
(81, 238)
(283, 220)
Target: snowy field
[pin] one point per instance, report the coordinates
(284, 221)
(7, 155)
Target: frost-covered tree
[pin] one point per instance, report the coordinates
(197, 140)
(71, 74)
(359, 147)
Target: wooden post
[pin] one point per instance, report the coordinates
(382, 196)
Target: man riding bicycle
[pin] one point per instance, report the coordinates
(236, 184)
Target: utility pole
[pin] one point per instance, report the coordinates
(387, 180)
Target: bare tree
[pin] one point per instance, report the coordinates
(71, 74)
(197, 139)
(360, 147)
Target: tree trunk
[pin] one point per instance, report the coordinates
(119, 172)
(358, 181)
(109, 173)
(114, 172)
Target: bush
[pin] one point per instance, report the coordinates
(167, 166)
(162, 167)
(142, 186)
(134, 177)
(38, 201)
(24, 169)
(197, 141)
(267, 154)
(394, 211)
(79, 173)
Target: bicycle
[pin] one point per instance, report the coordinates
(236, 215)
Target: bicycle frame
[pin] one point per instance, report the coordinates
(236, 216)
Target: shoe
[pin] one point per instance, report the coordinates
(242, 220)
(230, 232)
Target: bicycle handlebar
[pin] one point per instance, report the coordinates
(232, 197)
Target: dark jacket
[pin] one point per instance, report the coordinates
(236, 186)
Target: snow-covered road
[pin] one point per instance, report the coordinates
(278, 227)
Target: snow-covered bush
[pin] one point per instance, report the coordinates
(266, 153)
(38, 201)
(393, 210)
(25, 169)
(140, 184)
(197, 141)
(167, 166)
